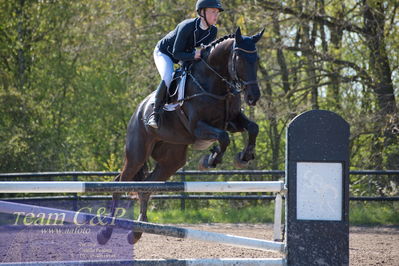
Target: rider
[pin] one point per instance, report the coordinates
(179, 45)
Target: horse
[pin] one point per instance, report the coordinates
(211, 109)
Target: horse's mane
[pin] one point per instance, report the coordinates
(208, 48)
(221, 39)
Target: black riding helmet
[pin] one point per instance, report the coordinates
(208, 4)
(201, 4)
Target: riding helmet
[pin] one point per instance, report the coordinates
(208, 4)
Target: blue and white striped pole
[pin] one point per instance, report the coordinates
(119, 187)
(80, 218)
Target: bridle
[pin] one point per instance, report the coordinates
(233, 70)
(236, 83)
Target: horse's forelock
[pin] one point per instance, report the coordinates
(247, 44)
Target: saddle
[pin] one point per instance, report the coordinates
(176, 89)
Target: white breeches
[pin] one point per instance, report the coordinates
(164, 65)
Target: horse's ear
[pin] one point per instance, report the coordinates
(238, 35)
(257, 37)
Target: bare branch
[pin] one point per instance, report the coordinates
(326, 20)
(326, 57)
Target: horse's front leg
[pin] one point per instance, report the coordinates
(205, 131)
(240, 124)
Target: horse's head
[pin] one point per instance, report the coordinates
(243, 65)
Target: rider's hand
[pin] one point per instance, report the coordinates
(197, 54)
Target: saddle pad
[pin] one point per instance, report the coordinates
(180, 94)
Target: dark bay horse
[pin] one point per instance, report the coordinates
(211, 109)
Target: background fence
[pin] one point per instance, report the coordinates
(184, 175)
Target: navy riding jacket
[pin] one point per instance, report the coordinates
(180, 43)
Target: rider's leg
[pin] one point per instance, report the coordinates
(165, 67)
(160, 98)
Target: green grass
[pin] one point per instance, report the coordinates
(360, 213)
(257, 214)
(374, 213)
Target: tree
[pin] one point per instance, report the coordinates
(73, 72)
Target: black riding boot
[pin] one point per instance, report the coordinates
(160, 96)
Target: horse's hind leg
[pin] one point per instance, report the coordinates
(170, 158)
(105, 233)
(134, 169)
(133, 237)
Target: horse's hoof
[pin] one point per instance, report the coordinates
(206, 162)
(238, 163)
(133, 237)
(203, 163)
(103, 236)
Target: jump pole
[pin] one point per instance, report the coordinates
(119, 187)
(317, 178)
(80, 218)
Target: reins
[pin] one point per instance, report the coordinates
(234, 87)
(231, 85)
